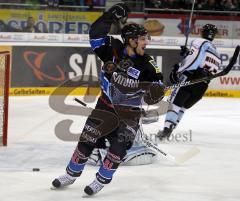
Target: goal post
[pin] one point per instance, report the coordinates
(4, 94)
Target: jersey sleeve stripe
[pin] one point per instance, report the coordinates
(96, 43)
(213, 53)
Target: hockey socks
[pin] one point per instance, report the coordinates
(77, 163)
(108, 168)
(104, 174)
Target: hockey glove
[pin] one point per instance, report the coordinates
(184, 51)
(125, 64)
(155, 93)
(109, 67)
(174, 76)
(119, 11)
(201, 73)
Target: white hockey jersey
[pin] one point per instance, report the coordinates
(203, 54)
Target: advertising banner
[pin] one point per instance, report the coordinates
(50, 67)
(75, 22)
(229, 85)
(48, 21)
(177, 26)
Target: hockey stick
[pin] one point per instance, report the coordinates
(177, 160)
(189, 23)
(221, 73)
(207, 78)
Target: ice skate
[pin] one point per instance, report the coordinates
(165, 133)
(62, 181)
(93, 188)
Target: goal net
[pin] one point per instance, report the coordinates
(4, 90)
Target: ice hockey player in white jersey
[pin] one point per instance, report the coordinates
(202, 59)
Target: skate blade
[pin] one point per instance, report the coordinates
(53, 188)
(87, 196)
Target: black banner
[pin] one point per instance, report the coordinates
(53, 66)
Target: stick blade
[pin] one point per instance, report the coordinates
(187, 155)
(231, 63)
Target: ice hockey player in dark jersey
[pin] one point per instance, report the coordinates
(128, 77)
(202, 59)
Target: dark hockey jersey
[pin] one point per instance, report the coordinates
(124, 85)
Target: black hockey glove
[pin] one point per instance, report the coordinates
(155, 93)
(184, 51)
(124, 64)
(119, 11)
(174, 77)
(109, 67)
(201, 73)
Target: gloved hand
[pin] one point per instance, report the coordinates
(155, 93)
(119, 11)
(109, 67)
(174, 77)
(124, 64)
(201, 73)
(184, 51)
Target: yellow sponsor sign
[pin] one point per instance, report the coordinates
(46, 91)
(95, 91)
(223, 93)
(51, 21)
(218, 93)
(4, 48)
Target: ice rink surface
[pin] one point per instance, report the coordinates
(213, 175)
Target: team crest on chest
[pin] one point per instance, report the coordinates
(133, 72)
(157, 69)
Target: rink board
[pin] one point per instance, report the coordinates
(39, 70)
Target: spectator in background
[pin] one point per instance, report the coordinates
(211, 5)
(53, 3)
(31, 27)
(152, 3)
(229, 5)
(199, 4)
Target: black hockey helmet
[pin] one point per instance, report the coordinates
(209, 31)
(133, 31)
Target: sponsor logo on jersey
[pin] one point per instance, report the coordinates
(157, 69)
(133, 72)
(124, 81)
